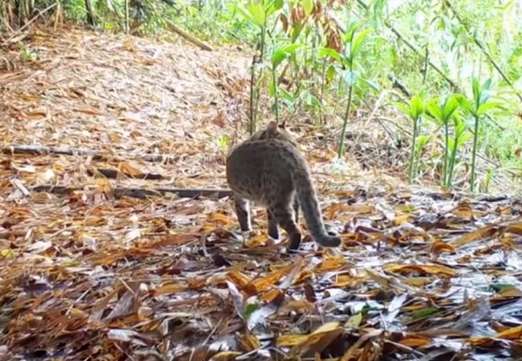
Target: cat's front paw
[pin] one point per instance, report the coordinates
(330, 240)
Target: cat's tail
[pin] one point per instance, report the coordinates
(310, 208)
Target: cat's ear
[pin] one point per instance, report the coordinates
(282, 125)
(271, 128)
(272, 125)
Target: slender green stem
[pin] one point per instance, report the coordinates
(276, 100)
(446, 153)
(261, 56)
(252, 123)
(451, 165)
(474, 153)
(340, 151)
(412, 151)
(321, 94)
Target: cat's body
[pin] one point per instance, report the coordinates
(268, 169)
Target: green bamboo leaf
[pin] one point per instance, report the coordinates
(451, 104)
(331, 72)
(282, 53)
(488, 106)
(257, 13)
(434, 110)
(328, 52)
(357, 41)
(286, 95)
(273, 6)
(297, 28)
(350, 32)
(244, 11)
(372, 84)
(277, 57)
(477, 93)
(308, 6)
(422, 141)
(466, 104)
(417, 107)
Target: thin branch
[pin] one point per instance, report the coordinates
(26, 25)
(142, 193)
(413, 48)
(483, 49)
(188, 36)
(43, 150)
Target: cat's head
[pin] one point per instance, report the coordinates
(274, 131)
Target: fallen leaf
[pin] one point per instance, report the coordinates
(476, 235)
(433, 269)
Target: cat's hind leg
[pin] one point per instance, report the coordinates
(242, 207)
(296, 209)
(273, 230)
(283, 214)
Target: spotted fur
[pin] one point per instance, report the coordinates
(268, 169)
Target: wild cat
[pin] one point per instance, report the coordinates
(268, 169)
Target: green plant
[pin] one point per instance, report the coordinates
(460, 136)
(27, 54)
(442, 110)
(223, 143)
(279, 54)
(414, 109)
(257, 13)
(353, 42)
(478, 106)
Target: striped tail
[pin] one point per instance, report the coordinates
(311, 211)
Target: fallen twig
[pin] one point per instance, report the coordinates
(187, 36)
(40, 149)
(142, 193)
(114, 173)
(15, 37)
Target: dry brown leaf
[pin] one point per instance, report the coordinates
(88, 110)
(219, 218)
(129, 169)
(512, 333)
(347, 281)
(268, 281)
(402, 218)
(271, 295)
(354, 349)
(476, 235)
(439, 246)
(239, 279)
(259, 240)
(432, 269)
(103, 185)
(225, 356)
(331, 263)
(170, 288)
(464, 211)
(315, 341)
(249, 341)
(515, 228)
(415, 341)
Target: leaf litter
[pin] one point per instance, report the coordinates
(422, 274)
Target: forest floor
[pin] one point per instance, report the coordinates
(91, 274)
